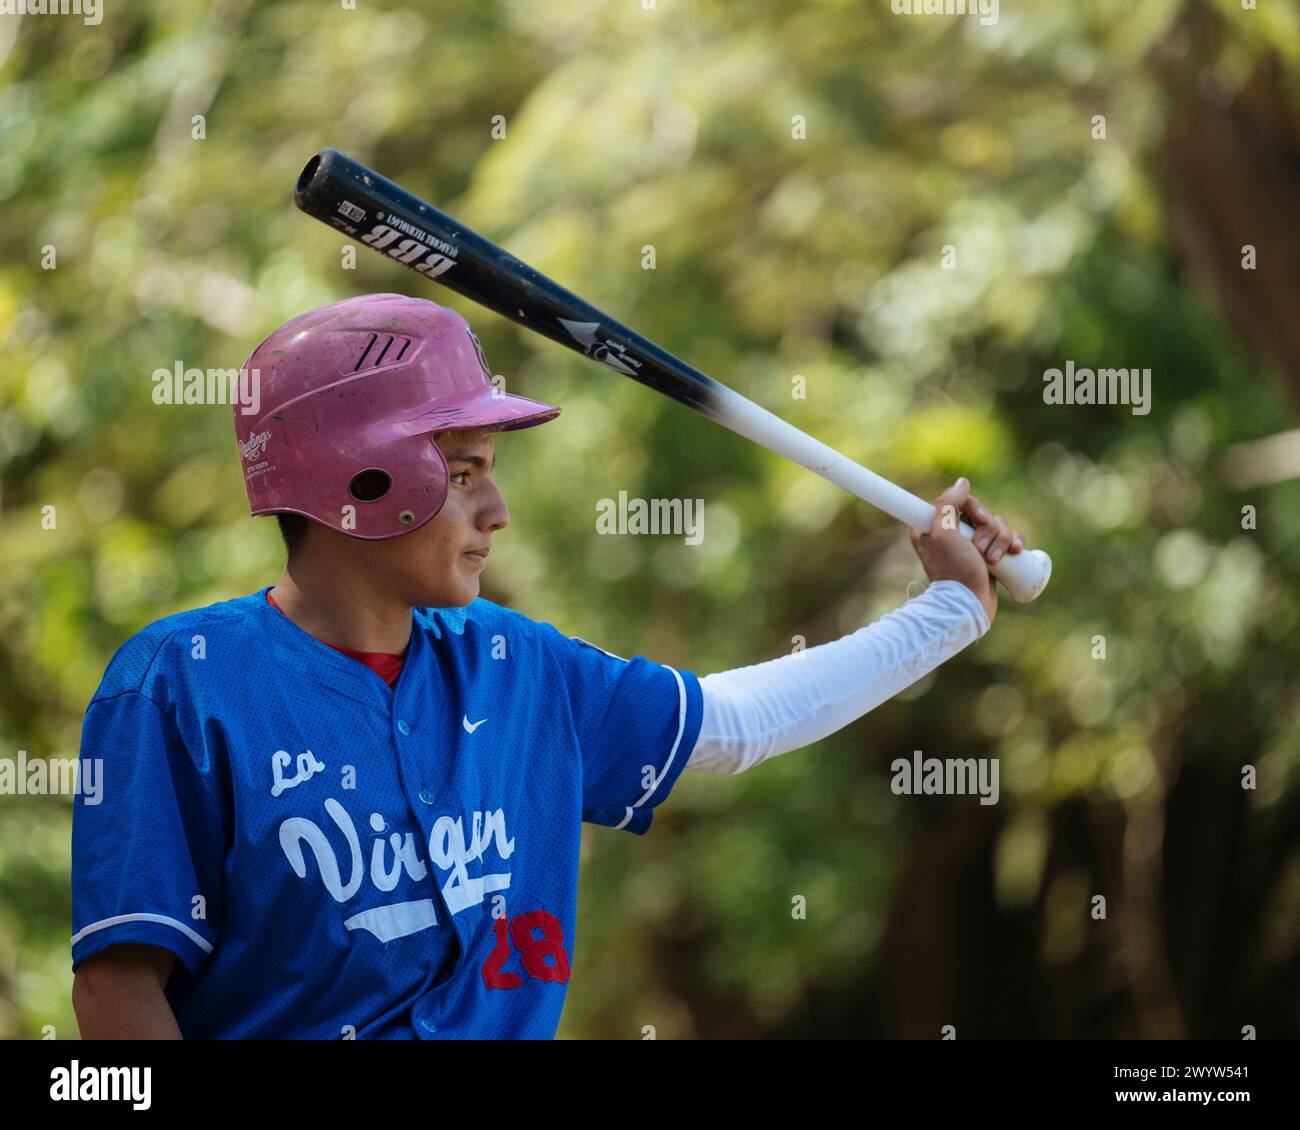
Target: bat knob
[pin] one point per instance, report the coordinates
(1025, 574)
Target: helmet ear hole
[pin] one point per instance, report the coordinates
(370, 485)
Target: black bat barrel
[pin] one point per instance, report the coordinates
(359, 202)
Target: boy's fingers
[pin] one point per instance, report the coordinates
(955, 496)
(993, 535)
(1001, 539)
(975, 508)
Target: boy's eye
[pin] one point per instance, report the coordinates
(457, 474)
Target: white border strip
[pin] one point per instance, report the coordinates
(161, 919)
(681, 729)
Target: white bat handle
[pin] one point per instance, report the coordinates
(1025, 574)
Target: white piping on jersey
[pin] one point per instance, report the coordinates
(161, 919)
(681, 729)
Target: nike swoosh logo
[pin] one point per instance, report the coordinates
(470, 727)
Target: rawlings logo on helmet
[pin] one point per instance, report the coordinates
(254, 445)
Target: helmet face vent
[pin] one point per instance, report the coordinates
(370, 485)
(382, 349)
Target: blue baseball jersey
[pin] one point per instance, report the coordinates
(329, 857)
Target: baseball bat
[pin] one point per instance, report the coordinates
(359, 202)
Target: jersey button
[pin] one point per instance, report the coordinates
(428, 1025)
(426, 795)
(402, 727)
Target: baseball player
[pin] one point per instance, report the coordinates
(349, 804)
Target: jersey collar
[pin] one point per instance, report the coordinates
(323, 655)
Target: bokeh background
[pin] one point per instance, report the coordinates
(779, 252)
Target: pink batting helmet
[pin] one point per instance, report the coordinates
(349, 396)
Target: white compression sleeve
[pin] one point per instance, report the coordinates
(753, 713)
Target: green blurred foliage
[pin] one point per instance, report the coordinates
(775, 257)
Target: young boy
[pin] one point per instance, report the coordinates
(349, 805)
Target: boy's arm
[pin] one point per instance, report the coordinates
(117, 994)
(754, 713)
(757, 712)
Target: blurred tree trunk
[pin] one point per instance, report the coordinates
(1233, 162)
